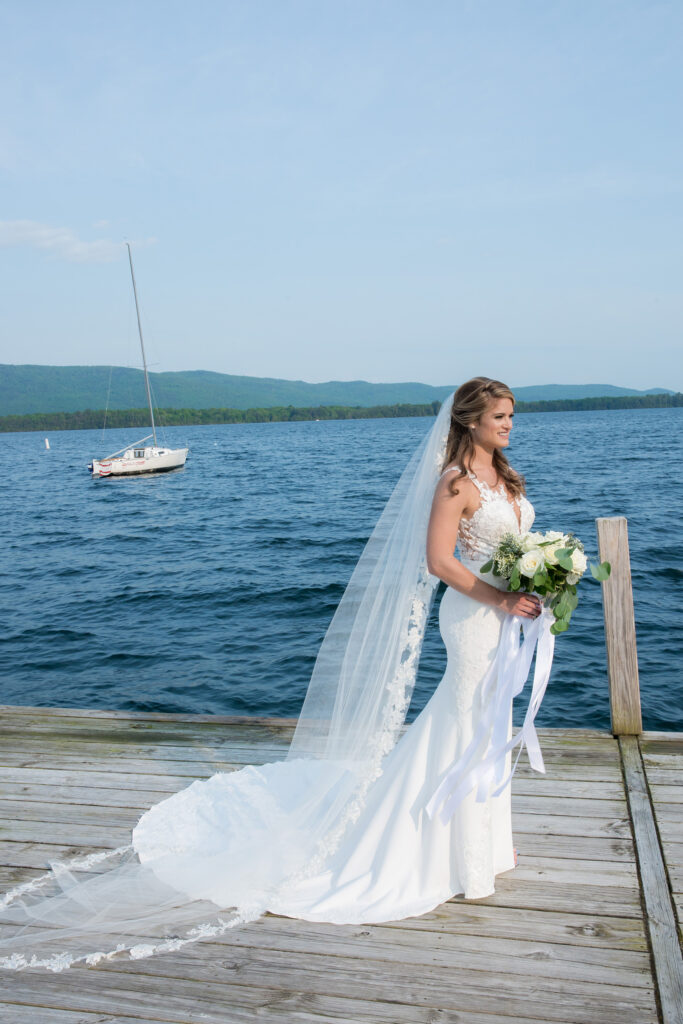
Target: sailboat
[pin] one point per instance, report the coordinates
(140, 457)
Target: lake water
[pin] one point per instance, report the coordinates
(210, 589)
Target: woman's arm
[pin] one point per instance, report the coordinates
(442, 535)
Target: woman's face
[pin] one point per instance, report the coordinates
(492, 429)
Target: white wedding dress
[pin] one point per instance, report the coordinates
(342, 830)
(394, 861)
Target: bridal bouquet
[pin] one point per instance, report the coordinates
(548, 564)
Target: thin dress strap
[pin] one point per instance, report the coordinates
(481, 485)
(456, 469)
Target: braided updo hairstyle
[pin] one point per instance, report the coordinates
(469, 402)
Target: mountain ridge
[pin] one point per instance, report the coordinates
(37, 388)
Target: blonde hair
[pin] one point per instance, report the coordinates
(470, 401)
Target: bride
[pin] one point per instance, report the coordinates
(338, 831)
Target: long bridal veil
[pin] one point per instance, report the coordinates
(257, 831)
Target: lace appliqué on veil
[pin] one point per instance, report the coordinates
(399, 690)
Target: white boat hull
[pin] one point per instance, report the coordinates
(154, 460)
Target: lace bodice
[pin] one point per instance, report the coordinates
(478, 537)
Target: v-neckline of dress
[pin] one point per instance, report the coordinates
(501, 491)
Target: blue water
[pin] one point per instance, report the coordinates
(210, 589)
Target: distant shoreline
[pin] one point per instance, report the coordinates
(93, 419)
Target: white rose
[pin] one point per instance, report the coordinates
(550, 550)
(572, 578)
(531, 562)
(530, 541)
(579, 561)
(550, 553)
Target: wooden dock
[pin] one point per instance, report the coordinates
(583, 931)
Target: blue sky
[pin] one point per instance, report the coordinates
(346, 189)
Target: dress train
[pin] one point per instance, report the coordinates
(394, 862)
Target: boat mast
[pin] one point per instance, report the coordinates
(142, 346)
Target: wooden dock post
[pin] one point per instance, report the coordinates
(620, 628)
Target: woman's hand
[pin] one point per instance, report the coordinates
(528, 606)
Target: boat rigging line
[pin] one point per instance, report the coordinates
(142, 344)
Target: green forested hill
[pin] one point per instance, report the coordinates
(47, 389)
(26, 389)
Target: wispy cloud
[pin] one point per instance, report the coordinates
(62, 243)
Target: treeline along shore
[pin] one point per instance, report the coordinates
(94, 419)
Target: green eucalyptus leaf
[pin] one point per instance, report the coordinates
(601, 572)
(561, 626)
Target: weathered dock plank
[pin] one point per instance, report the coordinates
(563, 940)
(664, 939)
(662, 768)
(206, 986)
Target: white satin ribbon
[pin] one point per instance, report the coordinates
(483, 762)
